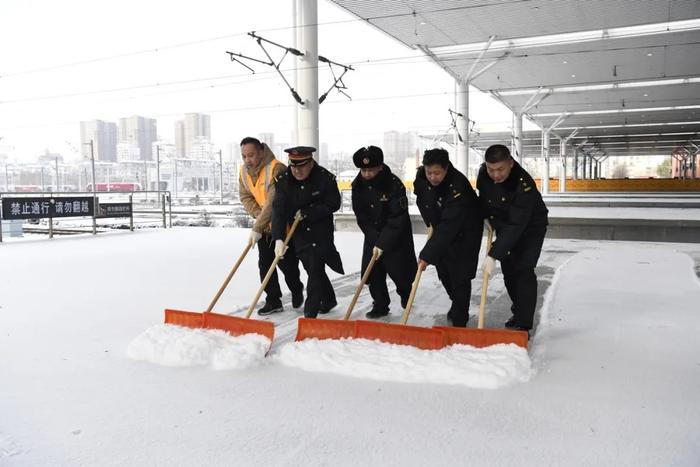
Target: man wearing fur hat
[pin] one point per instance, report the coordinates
(448, 203)
(257, 191)
(381, 208)
(308, 188)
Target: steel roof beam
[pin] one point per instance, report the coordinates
(624, 32)
(598, 86)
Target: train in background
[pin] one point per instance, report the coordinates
(118, 187)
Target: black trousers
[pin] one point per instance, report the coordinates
(319, 291)
(289, 265)
(458, 287)
(520, 278)
(401, 270)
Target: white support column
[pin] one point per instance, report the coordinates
(562, 167)
(297, 40)
(545, 150)
(462, 162)
(307, 132)
(518, 131)
(562, 156)
(545, 157)
(533, 101)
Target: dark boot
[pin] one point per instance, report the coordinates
(270, 307)
(511, 322)
(520, 328)
(377, 312)
(327, 306)
(298, 298)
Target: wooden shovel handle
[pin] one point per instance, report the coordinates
(270, 271)
(363, 281)
(228, 279)
(409, 304)
(414, 288)
(485, 283)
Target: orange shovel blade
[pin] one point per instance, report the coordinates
(184, 318)
(231, 324)
(423, 338)
(483, 337)
(237, 326)
(309, 328)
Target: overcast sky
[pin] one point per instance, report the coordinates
(63, 62)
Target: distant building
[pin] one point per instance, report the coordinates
(180, 138)
(104, 139)
(398, 146)
(136, 137)
(197, 134)
(193, 137)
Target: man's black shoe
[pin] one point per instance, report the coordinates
(520, 328)
(297, 298)
(451, 321)
(327, 306)
(270, 307)
(511, 322)
(375, 313)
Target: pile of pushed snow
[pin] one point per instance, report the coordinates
(171, 345)
(489, 367)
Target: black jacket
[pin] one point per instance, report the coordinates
(381, 209)
(514, 207)
(318, 198)
(452, 208)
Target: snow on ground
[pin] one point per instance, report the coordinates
(615, 358)
(490, 367)
(613, 212)
(625, 213)
(171, 345)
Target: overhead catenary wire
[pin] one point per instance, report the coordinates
(228, 36)
(452, 58)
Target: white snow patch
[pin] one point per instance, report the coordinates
(170, 345)
(490, 367)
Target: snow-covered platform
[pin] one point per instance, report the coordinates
(614, 359)
(626, 199)
(628, 216)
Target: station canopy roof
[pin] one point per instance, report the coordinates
(623, 74)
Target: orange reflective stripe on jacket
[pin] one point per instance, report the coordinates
(258, 188)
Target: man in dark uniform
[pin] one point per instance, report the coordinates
(381, 207)
(515, 208)
(312, 190)
(447, 202)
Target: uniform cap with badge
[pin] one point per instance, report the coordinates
(300, 155)
(365, 158)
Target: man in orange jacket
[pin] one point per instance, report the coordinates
(256, 192)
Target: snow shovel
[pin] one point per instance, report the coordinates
(416, 336)
(335, 328)
(231, 324)
(273, 266)
(207, 319)
(484, 337)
